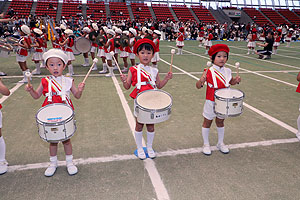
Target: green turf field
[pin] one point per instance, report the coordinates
(263, 162)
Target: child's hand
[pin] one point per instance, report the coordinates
(123, 78)
(81, 86)
(169, 76)
(28, 87)
(238, 79)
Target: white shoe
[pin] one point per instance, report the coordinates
(72, 169)
(3, 167)
(223, 148)
(178, 53)
(103, 72)
(206, 150)
(248, 53)
(141, 154)
(108, 75)
(94, 68)
(151, 153)
(85, 65)
(50, 171)
(265, 57)
(23, 81)
(35, 72)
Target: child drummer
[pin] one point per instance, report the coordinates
(56, 61)
(149, 79)
(218, 76)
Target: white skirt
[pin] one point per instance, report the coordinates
(131, 56)
(93, 49)
(276, 44)
(208, 43)
(251, 44)
(155, 57)
(179, 43)
(70, 55)
(108, 56)
(124, 54)
(37, 56)
(21, 58)
(101, 53)
(117, 50)
(199, 38)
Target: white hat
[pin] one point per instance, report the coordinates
(133, 31)
(150, 31)
(110, 31)
(43, 27)
(114, 28)
(157, 32)
(291, 29)
(126, 32)
(57, 28)
(118, 30)
(38, 31)
(86, 30)
(105, 28)
(55, 53)
(25, 29)
(62, 26)
(68, 31)
(144, 29)
(95, 26)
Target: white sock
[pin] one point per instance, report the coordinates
(2, 149)
(53, 159)
(249, 51)
(38, 67)
(86, 60)
(298, 124)
(69, 158)
(104, 66)
(70, 67)
(150, 138)
(205, 134)
(221, 132)
(206, 51)
(139, 139)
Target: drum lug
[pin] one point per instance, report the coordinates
(152, 115)
(137, 109)
(169, 111)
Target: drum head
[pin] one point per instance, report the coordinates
(54, 113)
(229, 93)
(154, 99)
(83, 45)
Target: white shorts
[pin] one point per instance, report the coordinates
(70, 55)
(199, 38)
(93, 49)
(276, 44)
(21, 58)
(179, 43)
(251, 44)
(124, 54)
(117, 51)
(208, 110)
(208, 43)
(0, 119)
(155, 57)
(108, 56)
(131, 56)
(101, 53)
(37, 56)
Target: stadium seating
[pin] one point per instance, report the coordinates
(203, 14)
(274, 16)
(21, 7)
(69, 8)
(183, 13)
(292, 17)
(96, 10)
(162, 12)
(118, 10)
(256, 16)
(140, 11)
(297, 11)
(44, 7)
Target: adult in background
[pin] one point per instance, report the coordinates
(268, 46)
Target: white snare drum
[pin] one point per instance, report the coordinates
(228, 102)
(56, 122)
(83, 45)
(152, 106)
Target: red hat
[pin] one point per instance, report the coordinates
(254, 30)
(143, 41)
(217, 48)
(136, 27)
(202, 28)
(152, 28)
(181, 29)
(279, 30)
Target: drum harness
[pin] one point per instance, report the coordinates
(61, 93)
(139, 83)
(212, 70)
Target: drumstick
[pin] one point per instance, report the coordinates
(237, 65)
(172, 52)
(94, 62)
(205, 72)
(112, 54)
(28, 75)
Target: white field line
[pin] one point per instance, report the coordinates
(290, 84)
(115, 158)
(272, 119)
(275, 54)
(277, 49)
(159, 187)
(11, 92)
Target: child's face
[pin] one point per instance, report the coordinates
(55, 66)
(145, 56)
(221, 58)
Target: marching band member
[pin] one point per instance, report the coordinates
(92, 36)
(38, 50)
(85, 32)
(57, 39)
(56, 61)
(147, 80)
(24, 45)
(200, 36)
(108, 47)
(288, 37)
(118, 32)
(251, 42)
(3, 163)
(69, 43)
(208, 42)
(124, 54)
(180, 40)
(277, 38)
(101, 52)
(156, 37)
(132, 41)
(218, 76)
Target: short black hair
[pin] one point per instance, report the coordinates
(145, 46)
(214, 56)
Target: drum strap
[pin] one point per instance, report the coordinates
(61, 93)
(139, 82)
(213, 74)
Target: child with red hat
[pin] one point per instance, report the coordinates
(180, 40)
(144, 77)
(208, 42)
(217, 76)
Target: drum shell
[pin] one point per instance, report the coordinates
(152, 116)
(82, 45)
(228, 107)
(57, 131)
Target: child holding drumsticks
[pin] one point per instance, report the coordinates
(218, 76)
(56, 61)
(144, 49)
